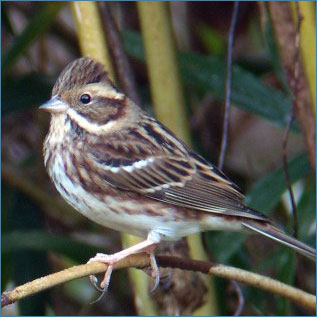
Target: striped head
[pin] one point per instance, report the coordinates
(84, 95)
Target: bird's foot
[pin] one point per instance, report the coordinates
(108, 259)
(147, 246)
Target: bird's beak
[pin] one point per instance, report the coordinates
(54, 105)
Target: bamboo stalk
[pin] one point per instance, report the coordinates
(90, 34)
(92, 43)
(161, 58)
(308, 45)
(167, 98)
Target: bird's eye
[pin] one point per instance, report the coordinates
(85, 99)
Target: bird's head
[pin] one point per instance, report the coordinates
(84, 93)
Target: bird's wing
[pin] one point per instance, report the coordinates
(208, 190)
(127, 165)
(167, 171)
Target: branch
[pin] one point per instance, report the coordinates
(142, 260)
(294, 86)
(225, 128)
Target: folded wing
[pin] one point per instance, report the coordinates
(167, 171)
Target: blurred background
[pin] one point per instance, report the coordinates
(41, 234)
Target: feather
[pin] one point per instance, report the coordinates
(279, 236)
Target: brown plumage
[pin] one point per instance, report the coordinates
(125, 170)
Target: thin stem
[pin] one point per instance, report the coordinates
(294, 86)
(228, 85)
(241, 300)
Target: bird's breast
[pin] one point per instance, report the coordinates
(119, 210)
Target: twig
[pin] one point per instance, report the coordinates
(142, 260)
(240, 296)
(294, 86)
(120, 59)
(228, 85)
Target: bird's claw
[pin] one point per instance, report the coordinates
(109, 260)
(155, 272)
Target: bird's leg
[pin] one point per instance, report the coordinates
(148, 246)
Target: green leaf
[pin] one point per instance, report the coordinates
(248, 92)
(42, 241)
(211, 39)
(208, 73)
(27, 265)
(223, 245)
(286, 266)
(266, 193)
(38, 25)
(264, 197)
(306, 212)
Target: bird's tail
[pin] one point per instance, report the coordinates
(276, 234)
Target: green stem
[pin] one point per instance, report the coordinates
(168, 100)
(90, 34)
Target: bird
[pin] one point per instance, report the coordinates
(123, 169)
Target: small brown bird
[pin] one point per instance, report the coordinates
(125, 170)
